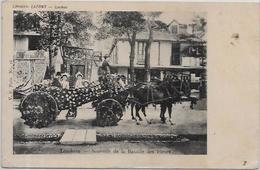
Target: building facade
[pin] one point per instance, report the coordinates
(83, 60)
(30, 62)
(168, 53)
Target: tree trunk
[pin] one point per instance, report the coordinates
(50, 64)
(147, 63)
(50, 50)
(132, 58)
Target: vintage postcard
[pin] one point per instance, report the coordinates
(130, 85)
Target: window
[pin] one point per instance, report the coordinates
(34, 43)
(176, 59)
(174, 29)
(140, 52)
(115, 55)
(183, 26)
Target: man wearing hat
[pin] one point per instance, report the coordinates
(105, 65)
(104, 69)
(57, 80)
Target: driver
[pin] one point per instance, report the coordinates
(104, 68)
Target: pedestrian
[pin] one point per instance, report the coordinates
(57, 80)
(64, 81)
(79, 81)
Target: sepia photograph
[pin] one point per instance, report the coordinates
(110, 82)
(130, 85)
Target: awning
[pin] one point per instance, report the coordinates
(159, 67)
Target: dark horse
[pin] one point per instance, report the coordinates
(164, 93)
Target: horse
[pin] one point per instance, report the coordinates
(164, 93)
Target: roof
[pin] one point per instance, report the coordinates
(193, 39)
(27, 33)
(76, 47)
(187, 37)
(174, 20)
(157, 36)
(164, 36)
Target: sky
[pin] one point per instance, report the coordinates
(166, 17)
(182, 17)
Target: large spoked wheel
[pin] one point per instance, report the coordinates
(109, 113)
(38, 109)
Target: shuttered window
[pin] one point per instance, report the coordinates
(140, 52)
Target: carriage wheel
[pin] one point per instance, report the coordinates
(38, 109)
(109, 113)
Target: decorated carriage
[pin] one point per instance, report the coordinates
(42, 106)
(109, 99)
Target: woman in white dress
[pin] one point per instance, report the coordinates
(79, 81)
(64, 81)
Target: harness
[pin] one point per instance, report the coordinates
(176, 93)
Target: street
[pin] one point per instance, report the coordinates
(122, 147)
(186, 136)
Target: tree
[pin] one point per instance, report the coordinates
(123, 23)
(151, 24)
(199, 24)
(160, 26)
(26, 21)
(57, 29)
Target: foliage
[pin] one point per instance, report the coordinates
(125, 21)
(199, 24)
(128, 24)
(160, 26)
(56, 28)
(26, 21)
(122, 23)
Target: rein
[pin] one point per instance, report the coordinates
(146, 103)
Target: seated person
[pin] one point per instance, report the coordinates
(64, 81)
(57, 80)
(121, 82)
(79, 81)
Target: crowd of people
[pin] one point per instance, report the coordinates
(62, 81)
(67, 81)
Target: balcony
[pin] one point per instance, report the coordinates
(32, 54)
(140, 59)
(140, 62)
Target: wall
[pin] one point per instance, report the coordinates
(123, 52)
(165, 53)
(122, 71)
(21, 43)
(173, 28)
(190, 62)
(154, 54)
(160, 56)
(26, 70)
